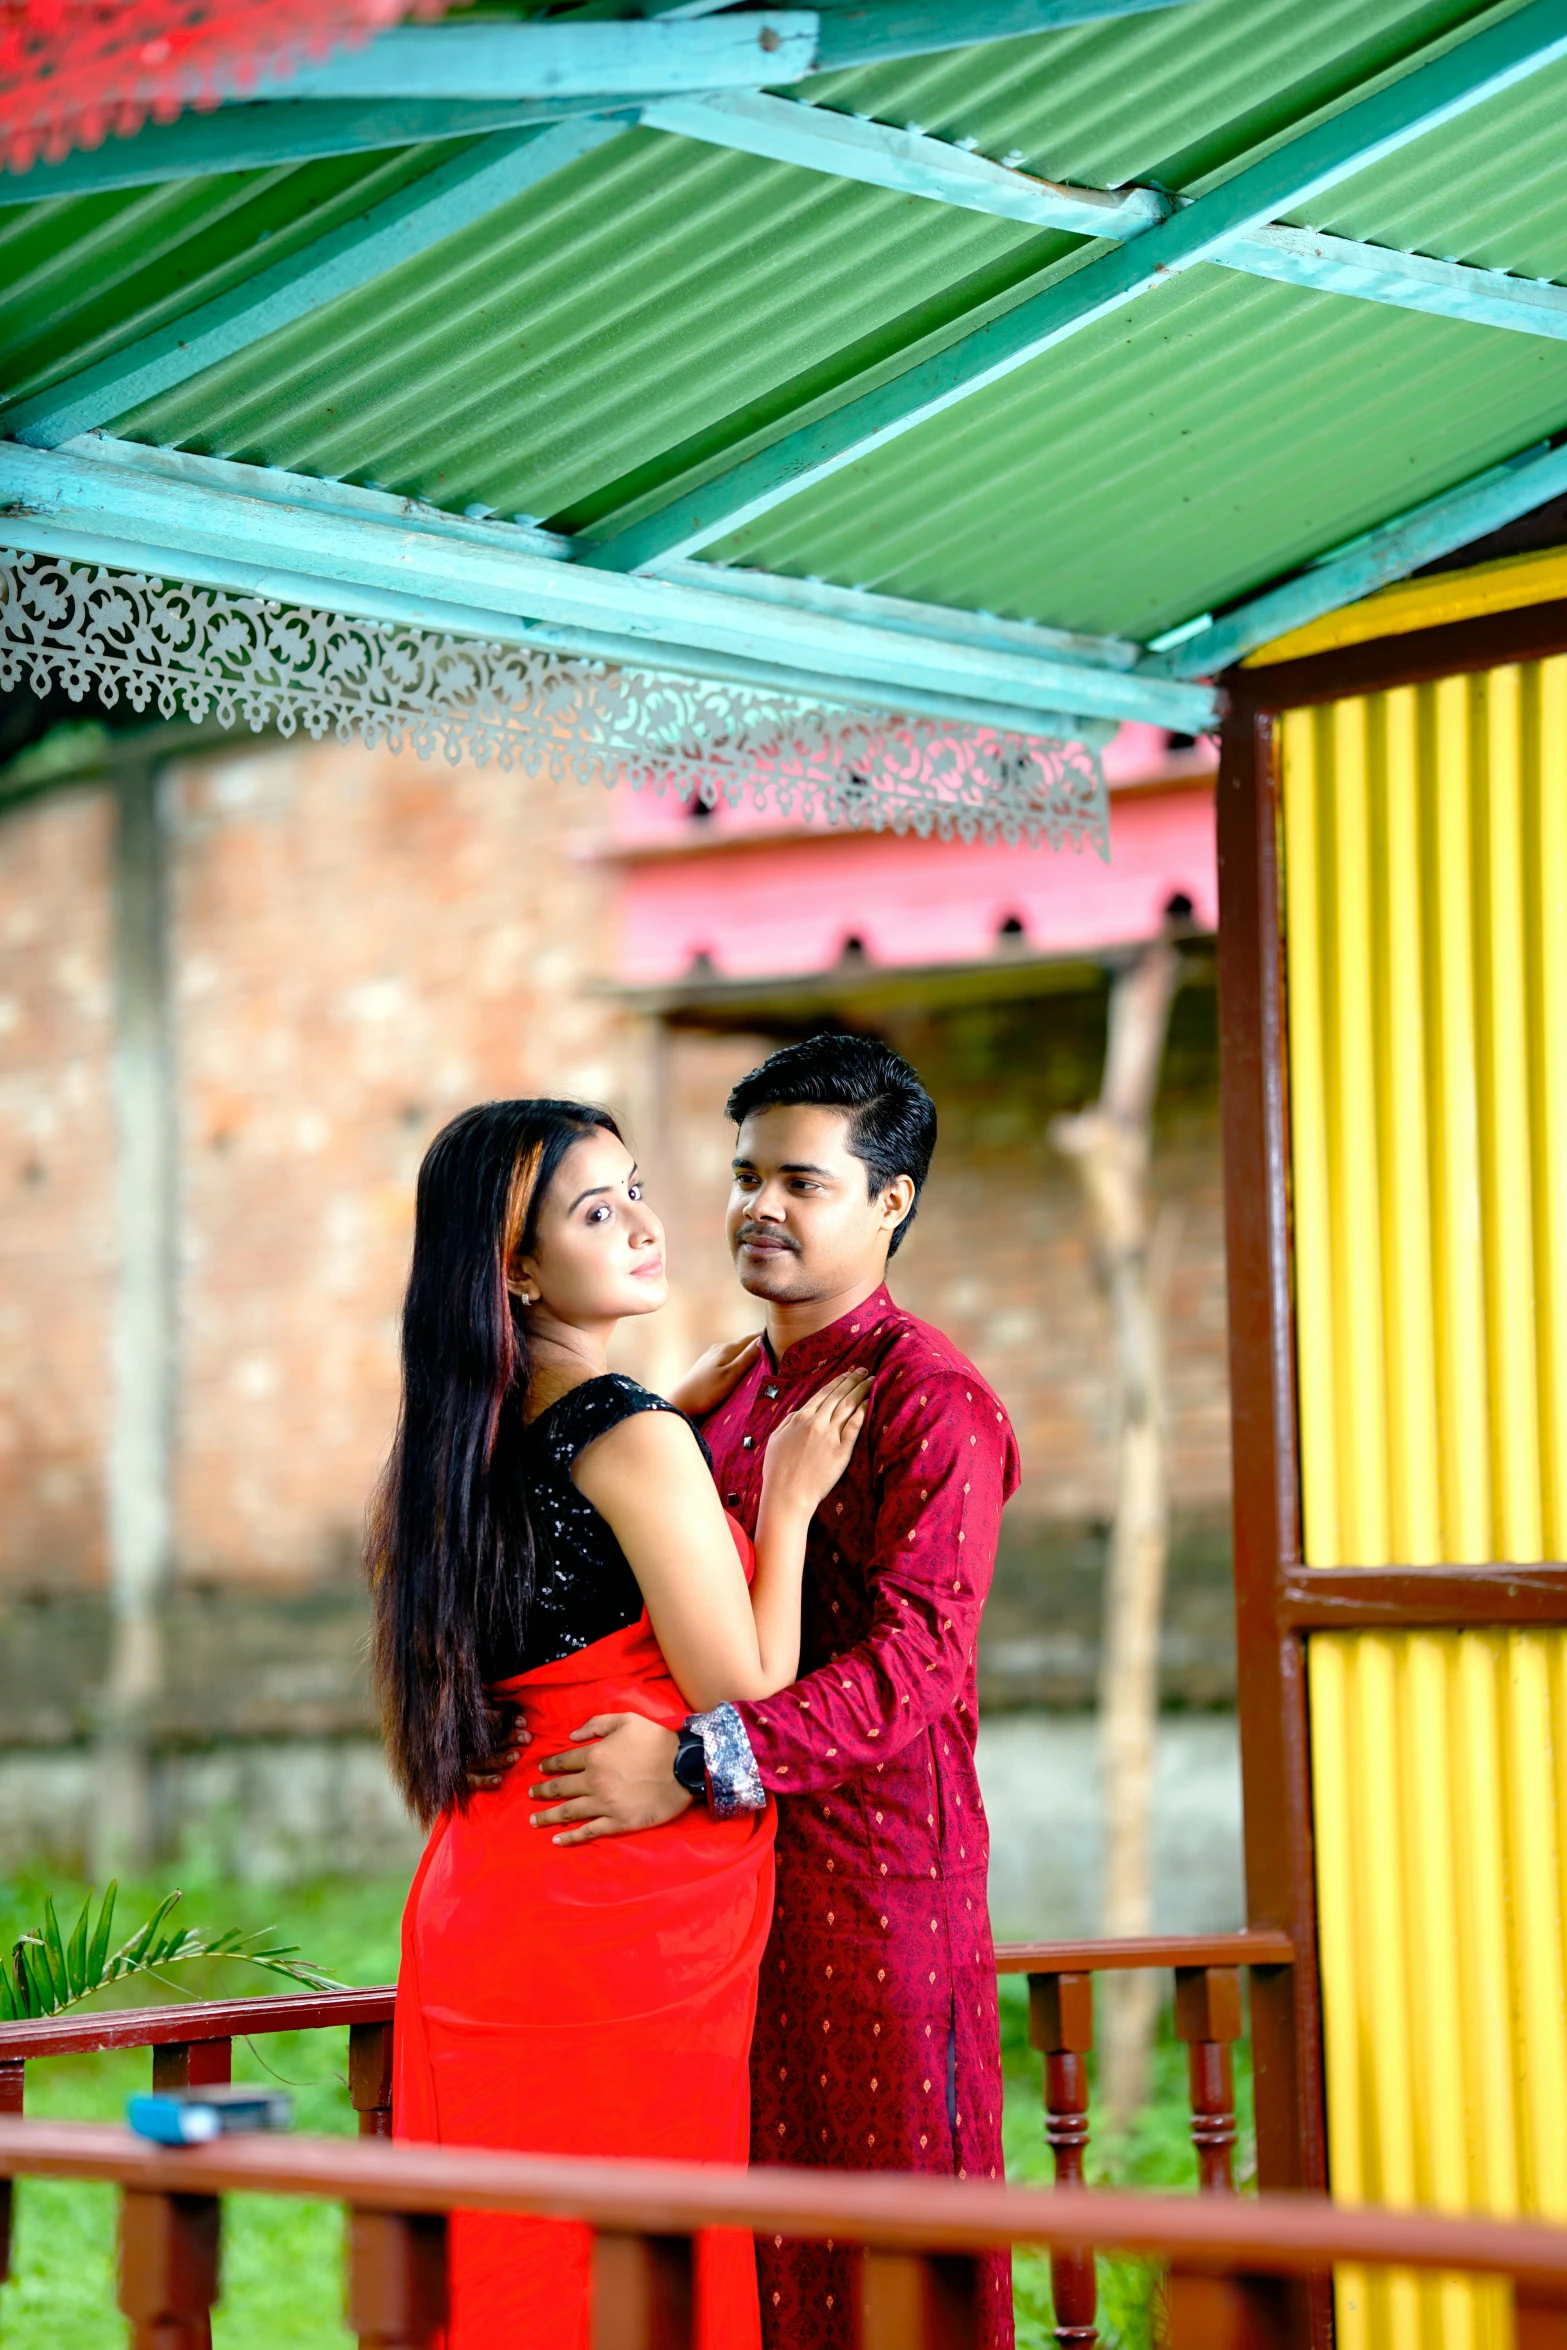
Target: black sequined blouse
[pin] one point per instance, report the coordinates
(584, 1588)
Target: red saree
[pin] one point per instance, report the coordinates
(593, 1999)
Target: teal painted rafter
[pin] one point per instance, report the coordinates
(1325, 264)
(1331, 151)
(351, 550)
(292, 128)
(666, 54)
(1378, 557)
(879, 30)
(450, 198)
(596, 60)
(914, 164)
(260, 138)
(909, 162)
(815, 138)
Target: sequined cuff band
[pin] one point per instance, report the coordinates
(734, 1784)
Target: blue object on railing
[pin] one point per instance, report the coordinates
(194, 2117)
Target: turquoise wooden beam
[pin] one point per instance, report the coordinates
(1391, 552)
(589, 68)
(909, 162)
(1326, 264)
(645, 56)
(666, 54)
(756, 122)
(880, 30)
(261, 138)
(450, 198)
(1331, 151)
(945, 623)
(912, 163)
(352, 550)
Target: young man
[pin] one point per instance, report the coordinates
(876, 2041)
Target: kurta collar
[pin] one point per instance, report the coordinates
(830, 1349)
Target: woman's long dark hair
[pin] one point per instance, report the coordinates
(450, 1549)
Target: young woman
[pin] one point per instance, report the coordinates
(548, 1530)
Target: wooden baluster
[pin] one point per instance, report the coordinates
(13, 2082)
(1208, 2019)
(396, 2278)
(192, 2064)
(1061, 2025)
(370, 2077)
(643, 2292)
(918, 2301)
(1226, 2313)
(168, 2268)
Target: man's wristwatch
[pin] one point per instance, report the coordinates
(691, 1763)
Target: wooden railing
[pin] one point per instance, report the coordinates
(1208, 2018)
(193, 2045)
(1228, 2260)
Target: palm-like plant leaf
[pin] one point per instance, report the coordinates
(76, 1951)
(54, 1951)
(48, 1974)
(98, 1947)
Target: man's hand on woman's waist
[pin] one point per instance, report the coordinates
(508, 1736)
(618, 1776)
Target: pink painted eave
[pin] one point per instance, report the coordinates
(787, 906)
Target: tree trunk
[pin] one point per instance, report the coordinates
(140, 1462)
(1109, 1144)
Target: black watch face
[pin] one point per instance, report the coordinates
(690, 1766)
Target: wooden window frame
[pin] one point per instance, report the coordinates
(1279, 1601)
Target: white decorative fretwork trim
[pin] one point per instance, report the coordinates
(210, 653)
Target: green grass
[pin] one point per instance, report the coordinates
(282, 2260)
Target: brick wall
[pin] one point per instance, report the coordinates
(56, 1184)
(364, 943)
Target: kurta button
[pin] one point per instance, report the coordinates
(748, 1444)
(731, 1501)
(769, 1392)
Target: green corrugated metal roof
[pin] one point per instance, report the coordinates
(660, 306)
(627, 305)
(1164, 461)
(82, 276)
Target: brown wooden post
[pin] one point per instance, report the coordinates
(1286, 2002)
(1208, 2020)
(1225, 2313)
(168, 2268)
(1061, 2025)
(396, 2278)
(643, 2292)
(6, 2205)
(13, 2083)
(370, 2077)
(1286, 2016)
(918, 2301)
(1539, 2318)
(192, 2064)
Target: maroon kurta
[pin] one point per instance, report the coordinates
(877, 2018)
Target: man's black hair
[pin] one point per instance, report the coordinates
(892, 1119)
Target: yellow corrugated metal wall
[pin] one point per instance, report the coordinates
(1425, 856)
